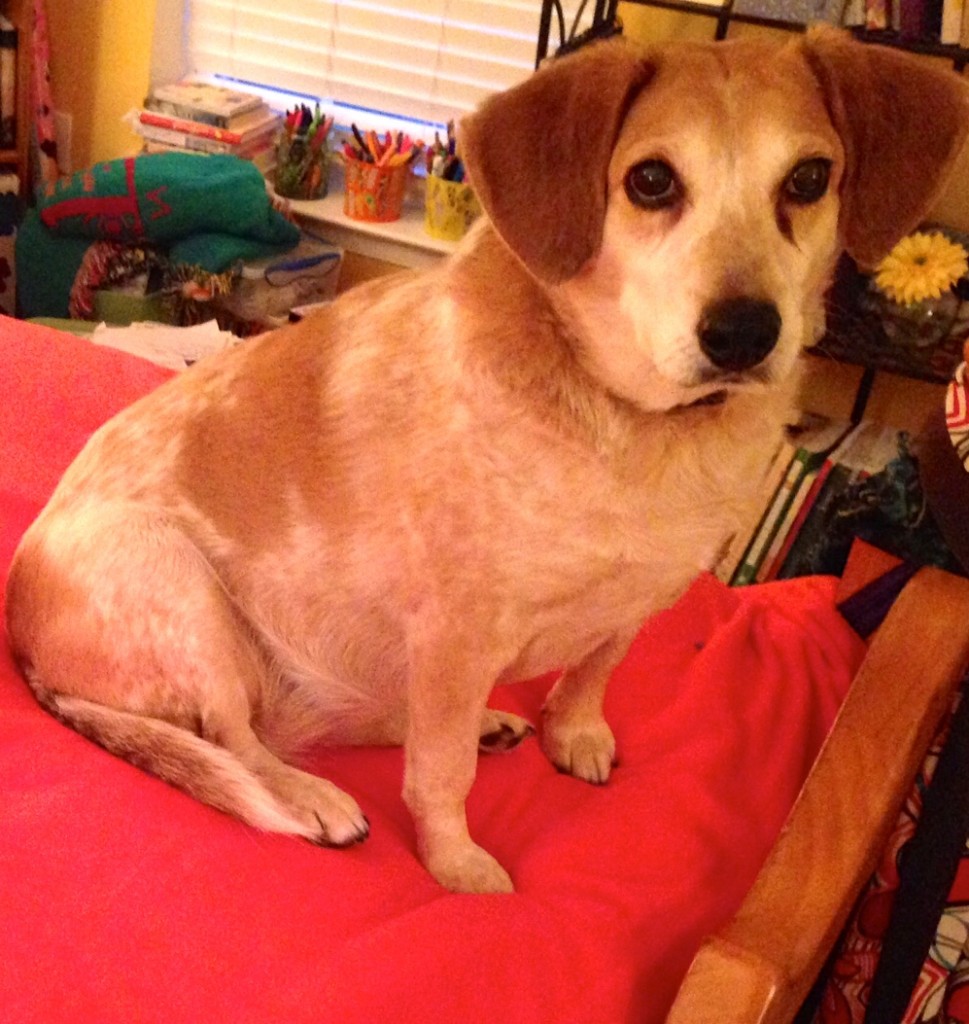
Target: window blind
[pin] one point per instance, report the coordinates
(428, 60)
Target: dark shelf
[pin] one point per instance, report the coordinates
(724, 15)
(930, 47)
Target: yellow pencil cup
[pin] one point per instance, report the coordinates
(450, 208)
(373, 193)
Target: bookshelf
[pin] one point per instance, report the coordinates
(17, 158)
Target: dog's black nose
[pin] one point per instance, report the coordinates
(737, 334)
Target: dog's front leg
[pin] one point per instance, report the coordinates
(448, 690)
(575, 734)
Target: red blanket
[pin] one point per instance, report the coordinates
(123, 900)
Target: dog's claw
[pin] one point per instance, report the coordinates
(324, 840)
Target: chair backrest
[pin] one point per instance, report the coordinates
(759, 968)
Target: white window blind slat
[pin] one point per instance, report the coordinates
(425, 59)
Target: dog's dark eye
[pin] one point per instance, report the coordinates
(652, 184)
(808, 182)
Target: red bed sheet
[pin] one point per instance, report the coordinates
(123, 900)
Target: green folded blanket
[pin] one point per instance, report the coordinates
(46, 268)
(161, 197)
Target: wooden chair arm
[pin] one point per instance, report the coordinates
(760, 967)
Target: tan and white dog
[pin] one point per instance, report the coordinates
(353, 528)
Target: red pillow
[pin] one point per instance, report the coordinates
(123, 900)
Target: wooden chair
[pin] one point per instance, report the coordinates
(760, 967)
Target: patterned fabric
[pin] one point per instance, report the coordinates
(188, 290)
(106, 264)
(846, 993)
(42, 99)
(957, 410)
(942, 993)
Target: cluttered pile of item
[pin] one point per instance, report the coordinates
(169, 237)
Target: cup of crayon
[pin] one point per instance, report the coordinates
(372, 192)
(450, 208)
(302, 156)
(300, 173)
(450, 205)
(375, 174)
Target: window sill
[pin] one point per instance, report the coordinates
(403, 242)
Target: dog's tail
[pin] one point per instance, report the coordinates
(207, 772)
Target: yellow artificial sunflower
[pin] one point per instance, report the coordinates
(922, 266)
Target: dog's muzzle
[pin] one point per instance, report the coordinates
(738, 334)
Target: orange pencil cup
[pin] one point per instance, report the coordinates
(373, 193)
(450, 208)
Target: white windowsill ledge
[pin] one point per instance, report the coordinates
(403, 242)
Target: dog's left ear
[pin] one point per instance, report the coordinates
(537, 155)
(902, 122)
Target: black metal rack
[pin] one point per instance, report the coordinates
(604, 20)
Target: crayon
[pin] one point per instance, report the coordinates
(361, 143)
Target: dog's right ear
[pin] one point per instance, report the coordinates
(538, 154)
(903, 122)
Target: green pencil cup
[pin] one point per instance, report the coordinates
(301, 171)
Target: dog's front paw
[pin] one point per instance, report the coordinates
(469, 869)
(586, 750)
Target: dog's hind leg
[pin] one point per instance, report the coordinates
(256, 787)
(126, 633)
(501, 730)
(210, 773)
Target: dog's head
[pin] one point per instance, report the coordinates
(687, 203)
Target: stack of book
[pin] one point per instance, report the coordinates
(10, 215)
(198, 117)
(924, 21)
(829, 483)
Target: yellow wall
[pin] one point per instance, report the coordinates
(652, 23)
(100, 56)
